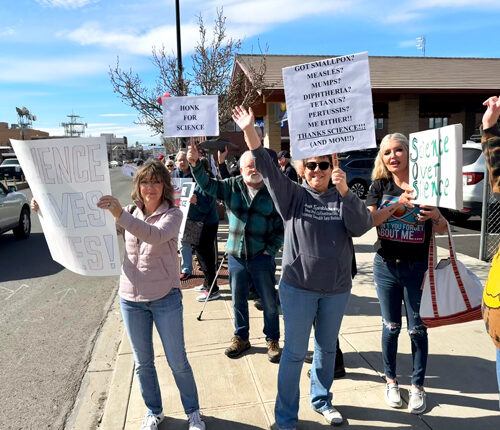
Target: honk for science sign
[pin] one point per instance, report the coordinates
(67, 178)
(436, 167)
(190, 116)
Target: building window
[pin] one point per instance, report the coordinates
(379, 123)
(438, 122)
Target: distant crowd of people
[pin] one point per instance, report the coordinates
(310, 213)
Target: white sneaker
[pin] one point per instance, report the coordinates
(199, 288)
(195, 422)
(333, 416)
(203, 296)
(416, 402)
(151, 421)
(392, 395)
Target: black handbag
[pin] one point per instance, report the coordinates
(192, 232)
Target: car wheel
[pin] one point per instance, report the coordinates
(23, 230)
(359, 188)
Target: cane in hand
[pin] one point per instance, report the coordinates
(212, 286)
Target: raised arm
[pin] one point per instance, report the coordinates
(246, 121)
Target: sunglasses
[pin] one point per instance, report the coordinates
(323, 165)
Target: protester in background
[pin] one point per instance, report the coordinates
(286, 167)
(182, 171)
(316, 280)
(491, 148)
(149, 288)
(255, 236)
(205, 211)
(400, 263)
(170, 165)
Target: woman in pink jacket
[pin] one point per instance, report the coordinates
(149, 288)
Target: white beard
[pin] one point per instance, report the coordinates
(256, 178)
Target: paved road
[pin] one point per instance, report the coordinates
(466, 235)
(49, 319)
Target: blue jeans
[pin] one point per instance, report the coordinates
(166, 313)
(261, 271)
(186, 258)
(300, 309)
(400, 282)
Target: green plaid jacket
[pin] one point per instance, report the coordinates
(254, 225)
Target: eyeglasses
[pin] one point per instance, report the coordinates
(170, 165)
(152, 183)
(323, 165)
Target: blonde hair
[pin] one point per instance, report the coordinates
(155, 170)
(380, 170)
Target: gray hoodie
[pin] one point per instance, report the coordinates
(319, 227)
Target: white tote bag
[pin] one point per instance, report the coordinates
(451, 294)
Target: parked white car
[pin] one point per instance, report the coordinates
(473, 171)
(14, 212)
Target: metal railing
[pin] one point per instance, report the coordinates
(490, 223)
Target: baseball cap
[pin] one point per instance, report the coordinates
(160, 157)
(284, 154)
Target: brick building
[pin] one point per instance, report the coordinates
(409, 93)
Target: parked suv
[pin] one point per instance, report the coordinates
(358, 172)
(473, 171)
(14, 212)
(10, 169)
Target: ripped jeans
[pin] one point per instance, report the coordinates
(400, 281)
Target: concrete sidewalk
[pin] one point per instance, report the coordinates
(239, 394)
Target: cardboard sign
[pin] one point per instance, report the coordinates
(67, 178)
(329, 106)
(183, 190)
(190, 116)
(436, 167)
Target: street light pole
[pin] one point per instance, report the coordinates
(179, 52)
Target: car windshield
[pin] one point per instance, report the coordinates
(470, 155)
(10, 161)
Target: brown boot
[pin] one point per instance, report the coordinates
(273, 351)
(237, 347)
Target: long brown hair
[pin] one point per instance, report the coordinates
(155, 170)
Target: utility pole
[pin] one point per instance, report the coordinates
(421, 44)
(179, 50)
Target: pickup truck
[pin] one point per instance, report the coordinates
(10, 169)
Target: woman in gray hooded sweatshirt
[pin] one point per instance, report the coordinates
(320, 222)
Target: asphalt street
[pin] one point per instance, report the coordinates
(50, 318)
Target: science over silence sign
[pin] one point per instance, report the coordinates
(67, 178)
(190, 116)
(329, 106)
(436, 167)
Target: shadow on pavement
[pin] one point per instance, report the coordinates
(211, 423)
(25, 259)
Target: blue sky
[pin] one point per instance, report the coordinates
(55, 54)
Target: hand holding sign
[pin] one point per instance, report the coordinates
(339, 178)
(111, 204)
(406, 197)
(193, 155)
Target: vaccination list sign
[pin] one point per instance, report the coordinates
(329, 106)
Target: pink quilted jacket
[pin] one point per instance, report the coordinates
(151, 266)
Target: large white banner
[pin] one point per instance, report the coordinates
(329, 106)
(67, 178)
(190, 116)
(436, 167)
